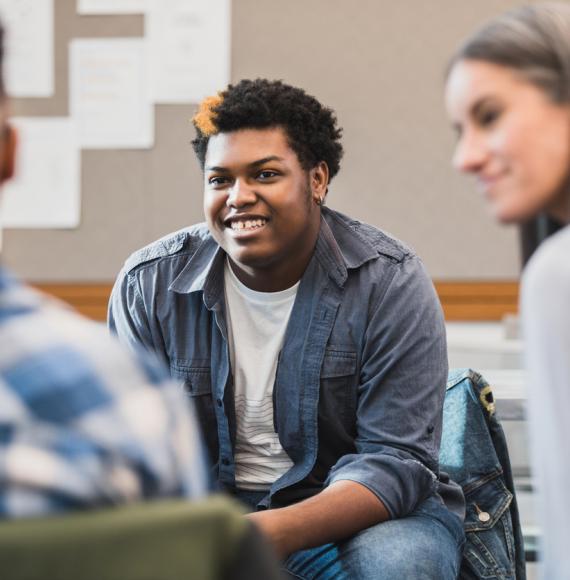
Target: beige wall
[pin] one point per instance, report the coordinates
(378, 63)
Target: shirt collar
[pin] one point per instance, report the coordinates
(340, 247)
(204, 272)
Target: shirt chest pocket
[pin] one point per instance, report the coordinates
(197, 381)
(338, 363)
(339, 385)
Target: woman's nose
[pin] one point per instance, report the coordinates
(470, 153)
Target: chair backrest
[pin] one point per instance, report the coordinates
(162, 540)
(474, 454)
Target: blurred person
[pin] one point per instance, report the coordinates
(84, 422)
(508, 97)
(313, 346)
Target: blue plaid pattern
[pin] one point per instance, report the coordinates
(83, 422)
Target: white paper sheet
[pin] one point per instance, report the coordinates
(45, 191)
(108, 93)
(111, 6)
(189, 48)
(29, 47)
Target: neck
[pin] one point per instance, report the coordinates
(279, 275)
(269, 280)
(559, 209)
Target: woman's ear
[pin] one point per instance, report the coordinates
(8, 153)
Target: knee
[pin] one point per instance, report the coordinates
(390, 551)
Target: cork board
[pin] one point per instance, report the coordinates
(379, 64)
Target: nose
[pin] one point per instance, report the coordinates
(470, 153)
(240, 194)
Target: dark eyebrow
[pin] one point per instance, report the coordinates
(265, 160)
(251, 165)
(217, 169)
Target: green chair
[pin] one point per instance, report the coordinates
(159, 540)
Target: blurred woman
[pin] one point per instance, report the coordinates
(508, 97)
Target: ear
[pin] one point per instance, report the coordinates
(319, 180)
(8, 153)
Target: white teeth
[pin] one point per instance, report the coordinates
(248, 224)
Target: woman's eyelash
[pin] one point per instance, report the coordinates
(488, 117)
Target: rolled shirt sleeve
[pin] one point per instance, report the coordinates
(401, 392)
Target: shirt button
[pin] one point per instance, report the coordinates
(219, 402)
(225, 461)
(484, 517)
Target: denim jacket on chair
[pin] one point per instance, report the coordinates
(474, 454)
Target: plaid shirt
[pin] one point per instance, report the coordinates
(84, 422)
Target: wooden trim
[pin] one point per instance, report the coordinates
(478, 301)
(89, 299)
(461, 300)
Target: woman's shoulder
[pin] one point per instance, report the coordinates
(547, 273)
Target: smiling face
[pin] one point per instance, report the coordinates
(512, 137)
(260, 205)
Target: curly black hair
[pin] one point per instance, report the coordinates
(311, 128)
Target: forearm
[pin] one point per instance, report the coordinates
(338, 512)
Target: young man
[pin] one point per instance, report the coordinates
(83, 422)
(312, 344)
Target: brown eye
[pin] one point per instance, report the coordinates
(266, 174)
(488, 117)
(217, 181)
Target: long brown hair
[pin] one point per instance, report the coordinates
(533, 40)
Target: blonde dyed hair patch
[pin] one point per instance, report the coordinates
(204, 119)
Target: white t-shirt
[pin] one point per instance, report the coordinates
(256, 324)
(545, 315)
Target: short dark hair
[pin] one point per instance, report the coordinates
(311, 128)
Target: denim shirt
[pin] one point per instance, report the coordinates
(361, 376)
(474, 453)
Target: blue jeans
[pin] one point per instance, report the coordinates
(426, 545)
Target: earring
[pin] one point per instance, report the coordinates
(319, 201)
